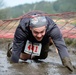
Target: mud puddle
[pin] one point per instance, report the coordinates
(50, 66)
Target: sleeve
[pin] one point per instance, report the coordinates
(59, 42)
(18, 43)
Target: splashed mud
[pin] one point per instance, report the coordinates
(50, 66)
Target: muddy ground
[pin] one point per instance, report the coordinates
(50, 66)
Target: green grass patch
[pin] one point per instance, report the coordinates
(70, 42)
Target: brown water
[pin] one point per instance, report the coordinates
(50, 66)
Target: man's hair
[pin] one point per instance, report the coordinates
(38, 21)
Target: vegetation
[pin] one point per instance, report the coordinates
(74, 22)
(70, 42)
(65, 5)
(58, 6)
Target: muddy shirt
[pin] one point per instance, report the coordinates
(23, 33)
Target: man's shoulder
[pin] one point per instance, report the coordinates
(24, 21)
(24, 24)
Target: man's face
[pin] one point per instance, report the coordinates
(39, 32)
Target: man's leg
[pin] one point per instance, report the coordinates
(23, 55)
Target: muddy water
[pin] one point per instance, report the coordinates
(50, 66)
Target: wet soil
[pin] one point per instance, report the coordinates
(50, 66)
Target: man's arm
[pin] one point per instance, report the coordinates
(61, 47)
(18, 44)
(59, 42)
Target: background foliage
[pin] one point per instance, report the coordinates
(58, 6)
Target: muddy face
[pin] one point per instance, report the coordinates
(39, 32)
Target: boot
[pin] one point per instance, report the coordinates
(9, 52)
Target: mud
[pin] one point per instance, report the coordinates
(50, 66)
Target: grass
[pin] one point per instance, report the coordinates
(73, 22)
(70, 42)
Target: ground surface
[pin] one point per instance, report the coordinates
(51, 66)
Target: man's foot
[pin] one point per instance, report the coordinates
(9, 51)
(36, 60)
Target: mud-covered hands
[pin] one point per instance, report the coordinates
(67, 63)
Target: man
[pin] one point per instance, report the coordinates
(32, 37)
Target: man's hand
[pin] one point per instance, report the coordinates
(67, 63)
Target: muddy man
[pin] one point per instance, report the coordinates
(33, 37)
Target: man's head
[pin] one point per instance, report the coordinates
(38, 26)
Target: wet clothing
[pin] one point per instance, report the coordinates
(23, 33)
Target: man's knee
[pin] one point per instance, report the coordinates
(44, 55)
